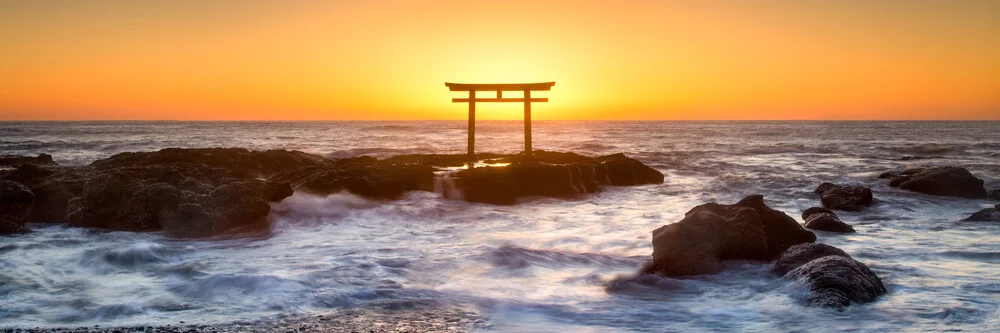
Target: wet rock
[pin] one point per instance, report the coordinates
(15, 204)
(574, 177)
(819, 218)
(986, 215)
(995, 195)
(782, 230)
(836, 281)
(941, 180)
(712, 233)
(239, 161)
(186, 201)
(624, 171)
(16, 161)
(844, 197)
(362, 177)
(801, 254)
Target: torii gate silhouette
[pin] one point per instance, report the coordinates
(472, 88)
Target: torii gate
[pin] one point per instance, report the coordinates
(472, 88)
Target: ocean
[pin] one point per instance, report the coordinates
(543, 265)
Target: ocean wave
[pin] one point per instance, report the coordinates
(107, 260)
(514, 257)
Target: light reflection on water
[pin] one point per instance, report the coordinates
(543, 265)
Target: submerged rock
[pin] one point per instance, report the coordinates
(819, 218)
(16, 161)
(712, 233)
(986, 215)
(837, 280)
(15, 204)
(844, 197)
(941, 180)
(801, 254)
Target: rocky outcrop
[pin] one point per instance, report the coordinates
(995, 195)
(212, 191)
(801, 254)
(941, 180)
(986, 215)
(837, 280)
(16, 161)
(712, 233)
(241, 162)
(842, 197)
(558, 175)
(818, 218)
(15, 203)
(181, 201)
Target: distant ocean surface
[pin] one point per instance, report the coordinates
(544, 265)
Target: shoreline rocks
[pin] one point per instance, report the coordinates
(819, 218)
(215, 191)
(711, 233)
(852, 198)
(940, 180)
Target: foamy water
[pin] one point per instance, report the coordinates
(543, 265)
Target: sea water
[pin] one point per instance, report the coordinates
(541, 265)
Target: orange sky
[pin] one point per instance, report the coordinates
(303, 60)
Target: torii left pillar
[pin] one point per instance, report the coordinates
(526, 88)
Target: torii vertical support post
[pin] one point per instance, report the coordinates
(472, 127)
(526, 88)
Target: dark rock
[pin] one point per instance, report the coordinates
(844, 197)
(15, 204)
(712, 233)
(186, 201)
(240, 161)
(782, 230)
(801, 254)
(575, 176)
(16, 161)
(624, 171)
(941, 180)
(819, 218)
(987, 215)
(836, 281)
(995, 195)
(364, 178)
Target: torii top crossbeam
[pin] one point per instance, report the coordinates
(499, 88)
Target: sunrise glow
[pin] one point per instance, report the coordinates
(193, 60)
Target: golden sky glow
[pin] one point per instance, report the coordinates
(263, 60)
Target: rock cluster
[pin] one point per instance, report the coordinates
(819, 218)
(940, 180)
(712, 233)
(844, 197)
(214, 191)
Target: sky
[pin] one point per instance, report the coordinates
(611, 60)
